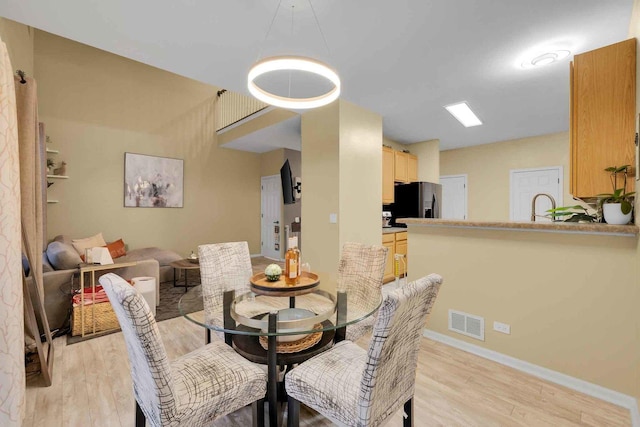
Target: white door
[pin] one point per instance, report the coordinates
(526, 183)
(271, 231)
(454, 196)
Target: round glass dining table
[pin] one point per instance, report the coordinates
(280, 329)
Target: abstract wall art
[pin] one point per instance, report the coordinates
(153, 182)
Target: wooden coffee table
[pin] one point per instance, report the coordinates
(186, 265)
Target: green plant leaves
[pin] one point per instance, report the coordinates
(625, 207)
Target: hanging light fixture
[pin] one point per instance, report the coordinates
(293, 63)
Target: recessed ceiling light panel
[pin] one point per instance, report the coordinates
(463, 113)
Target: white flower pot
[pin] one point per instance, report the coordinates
(612, 213)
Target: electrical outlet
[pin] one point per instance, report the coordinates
(502, 328)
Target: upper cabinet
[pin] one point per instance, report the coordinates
(412, 167)
(387, 175)
(401, 167)
(406, 167)
(603, 97)
(397, 166)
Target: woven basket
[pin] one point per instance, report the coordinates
(105, 318)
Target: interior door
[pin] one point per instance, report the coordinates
(271, 230)
(526, 183)
(454, 196)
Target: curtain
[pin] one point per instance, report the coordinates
(31, 173)
(12, 375)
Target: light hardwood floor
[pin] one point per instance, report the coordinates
(92, 387)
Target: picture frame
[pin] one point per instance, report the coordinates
(153, 182)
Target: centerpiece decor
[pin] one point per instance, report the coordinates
(273, 272)
(617, 207)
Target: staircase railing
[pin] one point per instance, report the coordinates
(233, 107)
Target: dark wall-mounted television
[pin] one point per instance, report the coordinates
(288, 194)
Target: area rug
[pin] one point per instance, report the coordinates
(170, 296)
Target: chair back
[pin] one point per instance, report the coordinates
(150, 368)
(361, 271)
(223, 267)
(389, 378)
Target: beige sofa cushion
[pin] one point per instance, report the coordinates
(89, 242)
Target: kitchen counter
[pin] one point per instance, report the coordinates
(387, 230)
(568, 291)
(548, 227)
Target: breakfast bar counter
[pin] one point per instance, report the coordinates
(548, 227)
(569, 293)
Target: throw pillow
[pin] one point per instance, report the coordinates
(62, 256)
(116, 249)
(88, 242)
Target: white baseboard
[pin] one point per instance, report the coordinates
(590, 389)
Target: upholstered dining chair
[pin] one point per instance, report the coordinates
(194, 389)
(360, 273)
(355, 387)
(223, 267)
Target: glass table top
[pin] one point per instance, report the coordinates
(248, 313)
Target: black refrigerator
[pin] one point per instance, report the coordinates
(417, 200)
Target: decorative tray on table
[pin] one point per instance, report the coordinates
(260, 284)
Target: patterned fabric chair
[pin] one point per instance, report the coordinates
(361, 272)
(194, 389)
(355, 387)
(223, 267)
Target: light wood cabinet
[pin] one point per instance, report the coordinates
(401, 248)
(603, 91)
(388, 268)
(401, 167)
(397, 244)
(388, 160)
(412, 168)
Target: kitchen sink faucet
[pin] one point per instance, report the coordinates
(533, 206)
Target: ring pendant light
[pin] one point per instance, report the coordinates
(294, 63)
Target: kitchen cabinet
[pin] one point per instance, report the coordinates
(412, 168)
(388, 160)
(388, 241)
(602, 127)
(397, 244)
(401, 167)
(405, 167)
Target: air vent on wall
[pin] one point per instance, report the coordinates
(466, 324)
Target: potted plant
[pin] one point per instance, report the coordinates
(576, 213)
(617, 206)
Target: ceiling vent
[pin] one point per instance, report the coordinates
(466, 324)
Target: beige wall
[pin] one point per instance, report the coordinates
(19, 41)
(571, 300)
(393, 144)
(488, 166)
(340, 144)
(428, 153)
(96, 106)
(321, 165)
(360, 181)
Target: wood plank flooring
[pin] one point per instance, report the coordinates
(92, 387)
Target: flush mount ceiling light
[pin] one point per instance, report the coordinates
(546, 58)
(293, 63)
(463, 113)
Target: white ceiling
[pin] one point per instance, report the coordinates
(404, 59)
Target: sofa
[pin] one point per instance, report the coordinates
(61, 273)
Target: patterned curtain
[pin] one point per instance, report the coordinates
(12, 375)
